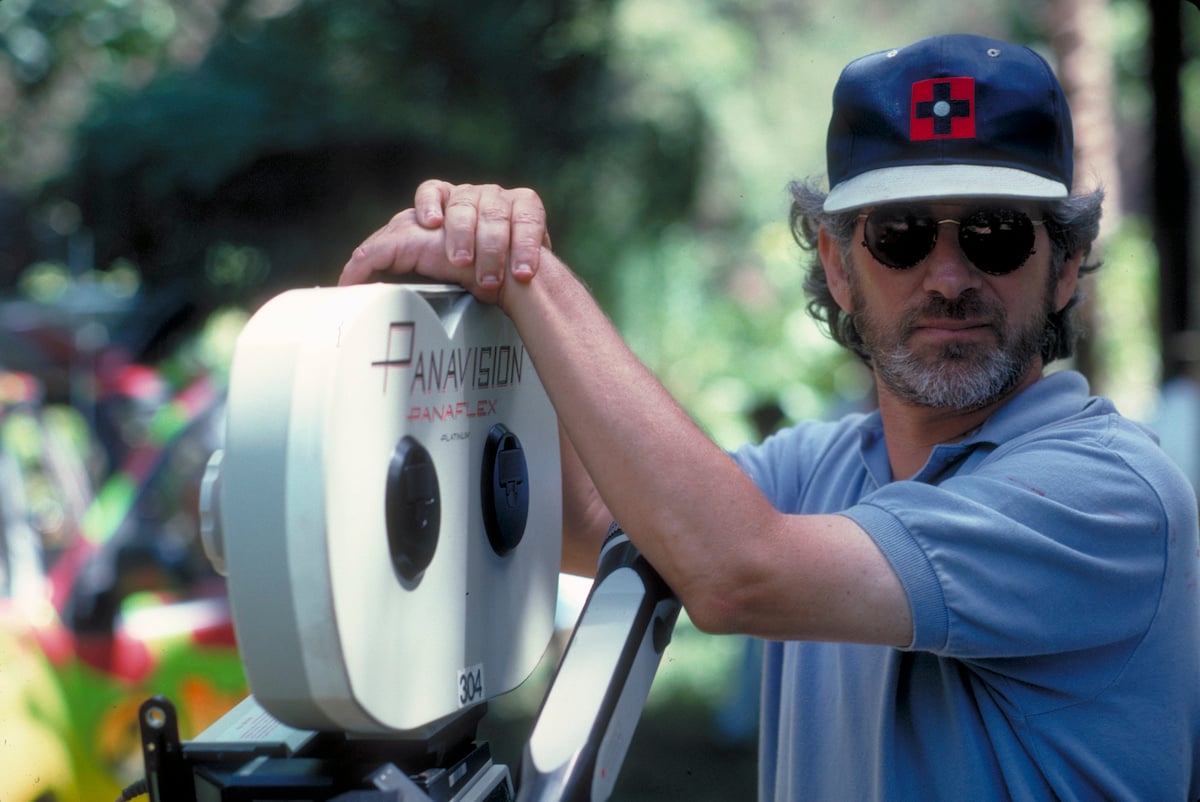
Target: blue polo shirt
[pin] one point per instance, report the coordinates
(1050, 561)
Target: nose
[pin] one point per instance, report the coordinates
(948, 272)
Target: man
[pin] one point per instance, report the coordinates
(986, 588)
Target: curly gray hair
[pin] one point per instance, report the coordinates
(1072, 223)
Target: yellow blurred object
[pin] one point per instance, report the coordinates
(35, 764)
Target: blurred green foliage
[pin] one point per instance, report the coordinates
(239, 147)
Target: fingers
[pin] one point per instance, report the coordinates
(430, 202)
(487, 231)
(477, 231)
(528, 233)
(494, 228)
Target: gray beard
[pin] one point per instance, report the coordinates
(964, 378)
(961, 377)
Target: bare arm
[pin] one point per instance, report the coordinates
(737, 564)
(586, 519)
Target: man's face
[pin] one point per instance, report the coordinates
(943, 333)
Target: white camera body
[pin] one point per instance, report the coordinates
(387, 507)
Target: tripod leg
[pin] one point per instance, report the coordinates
(168, 777)
(587, 721)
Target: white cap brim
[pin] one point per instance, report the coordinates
(929, 181)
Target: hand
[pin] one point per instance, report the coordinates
(492, 227)
(497, 231)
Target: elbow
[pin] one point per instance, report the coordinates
(710, 619)
(717, 608)
(724, 590)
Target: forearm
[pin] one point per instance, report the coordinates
(682, 500)
(586, 519)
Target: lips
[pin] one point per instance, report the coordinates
(953, 325)
(948, 331)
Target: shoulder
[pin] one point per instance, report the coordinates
(792, 455)
(1081, 445)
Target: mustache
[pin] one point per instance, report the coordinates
(968, 306)
(875, 334)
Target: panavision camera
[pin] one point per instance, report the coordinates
(387, 510)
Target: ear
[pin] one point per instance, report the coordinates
(1068, 280)
(835, 269)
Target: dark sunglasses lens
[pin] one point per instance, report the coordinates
(899, 239)
(997, 241)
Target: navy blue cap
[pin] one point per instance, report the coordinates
(948, 117)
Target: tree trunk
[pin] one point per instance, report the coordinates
(1081, 37)
(1171, 190)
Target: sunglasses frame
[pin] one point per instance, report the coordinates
(988, 214)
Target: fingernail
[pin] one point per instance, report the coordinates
(523, 271)
(462, 256)
(489, 280)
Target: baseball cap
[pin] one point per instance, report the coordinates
(948, 117)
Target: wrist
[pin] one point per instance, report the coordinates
(521, 289)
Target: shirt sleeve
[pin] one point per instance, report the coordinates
(1048, 546)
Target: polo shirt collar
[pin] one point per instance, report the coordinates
(1052, 398)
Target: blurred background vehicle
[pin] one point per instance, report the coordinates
(105, 595)
(43, 489)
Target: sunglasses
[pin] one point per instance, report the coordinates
(997, 241)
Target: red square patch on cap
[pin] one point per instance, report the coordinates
(943, 108)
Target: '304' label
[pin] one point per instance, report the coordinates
(471, 687)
